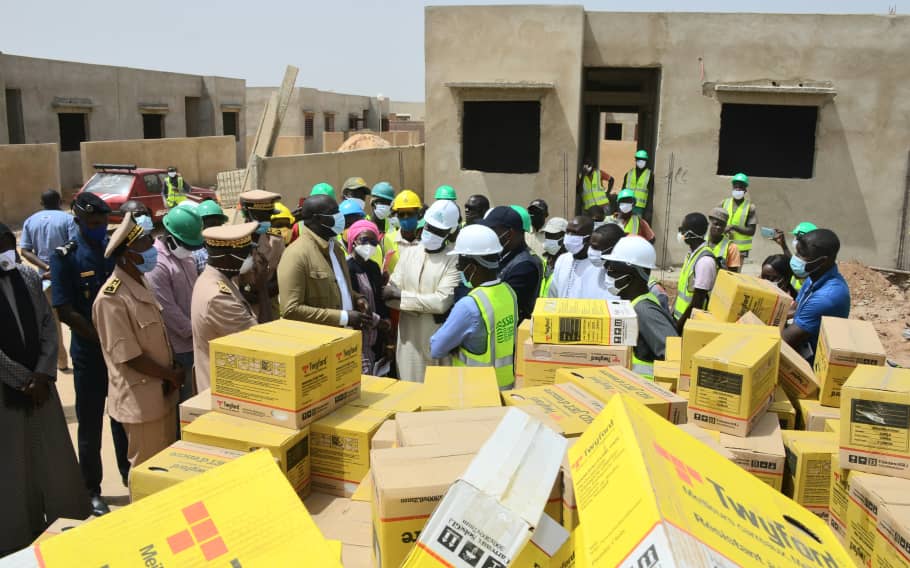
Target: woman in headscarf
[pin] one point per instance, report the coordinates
(366, 279)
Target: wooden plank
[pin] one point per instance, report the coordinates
(270, 124)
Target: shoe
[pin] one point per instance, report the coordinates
(99, 507)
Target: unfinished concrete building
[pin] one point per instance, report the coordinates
(815, 108)
(69, 103)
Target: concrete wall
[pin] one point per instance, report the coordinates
(418, 111)
(294, 176)
(198, 159)
(26, 170)
(616, 158)
(504, 45)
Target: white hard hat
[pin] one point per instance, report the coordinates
(633, 250)
(442, 214)
(476, 240)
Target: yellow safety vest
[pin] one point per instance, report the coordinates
(720, 252)
(639, 185)
(390, 250)
(737, 218)
(640, 366)
(686, 283)
(499, 310)
(632, 225)
(593, 192)
(175, 194)
(796, 283)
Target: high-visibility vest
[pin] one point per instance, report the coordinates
(686, 283)
(720, 252)
(499, 310)
(737, 218)
(639, 185)
(632, 225)
(640, 366)
(593, 192)
(174, 192)
(796, 283)
(390, 251)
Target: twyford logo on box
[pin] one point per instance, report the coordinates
(227, 405)
(316, 365)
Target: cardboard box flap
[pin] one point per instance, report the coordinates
(355, 418)
(734, 349)
(810, 442)
(894, 528)
(223, 425)
(881, 488)
(764, 439)
(369, 383)
(673, 349)
(850, 338)
(710, 438)
(872, 377)
(549, 536)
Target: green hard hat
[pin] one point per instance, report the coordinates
(525, 217)
(803, 228)
(421, 223)
(208, 208)
(742, 178)
(383, 190)
(641, 155)
(446, 192)
(184, 224)
(626, 194)
(323, 189)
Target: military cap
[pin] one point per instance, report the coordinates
(127, 232)
(259, 199)
(88, 202)
(230, 236)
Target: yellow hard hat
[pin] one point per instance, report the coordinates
(407, 199)
(283, 212)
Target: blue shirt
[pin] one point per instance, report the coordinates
(46, 230)
(77, 275)
(463, 327)
(827, 296)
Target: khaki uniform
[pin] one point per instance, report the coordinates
(218, 309)
(129, 324)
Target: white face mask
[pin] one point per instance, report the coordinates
(595, 256)
(626, 207)
(431, 241)
(358, 201)
(182, 253)
(172, 174)
(574, 243)
(610, 285)
(145, 222)
(738, 194)
(681, 238)
(551, 246)
(8, 260)
(365, 251)
(382, 210)
(247, 265)
(640, 164)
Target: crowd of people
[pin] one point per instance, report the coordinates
(426, 283)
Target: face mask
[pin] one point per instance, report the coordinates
(358, 201)
(409, 224)
(149, 260)
(263, 227)
(337, 226)
(365, 251)
(596, 257)
(382, 211)
(431, 241)
(610, 285)
(681, 238)
(800, 267)
(640, 164)
(247, 265)
(172, 174)
(551, 246)
(145, 222)
(8, 260)
(465, 281)
(738, 194)
(393, 221)
(98, 234)
(616, 286)
(574, 243)
(505, 245)
(182, 253)
(626, 207)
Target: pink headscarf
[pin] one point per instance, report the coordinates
(359, 227)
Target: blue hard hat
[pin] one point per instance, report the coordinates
(350, 207)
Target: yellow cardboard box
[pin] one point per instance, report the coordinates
(348, 521)
(699, 333)
(369, 383)
(386, 436)
(812, 415)
(569, 505)
(542, 360)
(832, 425)
(586, 322)
(868, 494)
(194, 407)
(290, 447)
(735, 294)
(448, 388)
(892, 545)
(399, 396)
(667, 372)
(842, 345)
(60, 525)
(568, 406)
(808, 479)
(648, 492)
(240, 514)
(606, 382)
(761, 453)
(182, 460)
(673, 349)
(875, 420)
(734, 378)
(702, 315)
(839, 497)
(467, 428)
(783, 408)
(522, 335)
(283, 380)
(340, 448)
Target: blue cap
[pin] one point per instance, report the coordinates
(503, 216)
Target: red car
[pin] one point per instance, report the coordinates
(118, 183)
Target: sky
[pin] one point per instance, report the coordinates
(366, 47)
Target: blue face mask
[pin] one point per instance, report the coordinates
(799, 266)
(149, 260)
(98, 234)
(409, 224)
(464, 280)
(337, 225)
(263, 227)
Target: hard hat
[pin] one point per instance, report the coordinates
(208, 208)
(442, 214)
(407, 199)
(641, 155)
(283, 212)
(445, 192)
(626, 194)
(187, 204)
(476, 240)
(184, 224)
(803, 228)
(555, 225)
(323, 189)
(525, 217)
(741, 178)
(354, 183)
(633, 250)
(383, 190)
(350, 207)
